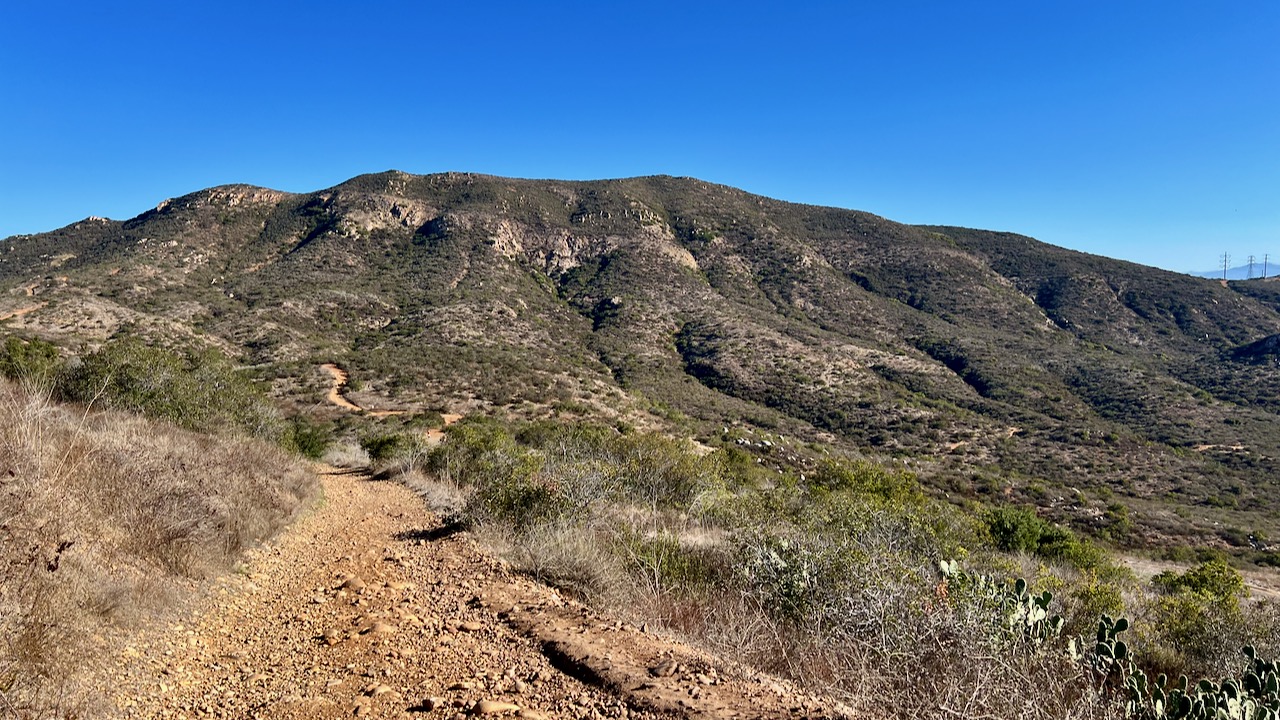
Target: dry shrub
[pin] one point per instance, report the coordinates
(568, 557)
(444, 498)
(101, 513)
(345, 454)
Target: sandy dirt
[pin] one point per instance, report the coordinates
(1260, 582)
(340, 378)
(9, 314)
(368, 607)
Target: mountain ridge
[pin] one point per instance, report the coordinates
(995, 366)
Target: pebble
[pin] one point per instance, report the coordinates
(380, 628)
(666, 668)
(494, 707)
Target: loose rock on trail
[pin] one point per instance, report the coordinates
(369, 607)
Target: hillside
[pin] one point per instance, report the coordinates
(1139, 404)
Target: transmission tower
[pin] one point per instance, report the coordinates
(1226, 263)
(1265, 258)
(1250, 268)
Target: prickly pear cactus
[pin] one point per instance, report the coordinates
(1026, 616)
(1254, 695)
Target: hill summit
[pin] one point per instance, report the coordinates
(994, 366)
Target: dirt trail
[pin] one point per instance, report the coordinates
(437, 434)
(10, 314)
(1260, 582)
(368, 607)
(340, 378)
(335, 397)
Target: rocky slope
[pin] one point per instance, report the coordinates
(995, 366)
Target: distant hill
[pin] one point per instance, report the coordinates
(995, 366)
(1244, 272)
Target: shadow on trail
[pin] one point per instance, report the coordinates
(440, 532)
(342, 472)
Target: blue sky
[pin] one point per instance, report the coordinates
(1148, 131)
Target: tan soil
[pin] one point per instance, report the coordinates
(340, 378)
(1233, 448)
(335, 396)
(1261, 583)
(368, 607)
(437, 434)
(9, 314)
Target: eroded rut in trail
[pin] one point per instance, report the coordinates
(368, 606)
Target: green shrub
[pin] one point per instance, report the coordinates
(306, 438)
(1214, 580)
(1089, 598)
(662, 471)
(785, 574)
(384, 447)
(1059, 543)
(196, 390)
(513, 492)
(868, 480)
(1015, 529)
(33, 360)
(668, 566)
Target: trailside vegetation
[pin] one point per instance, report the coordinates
(123, 473)
(848, 578)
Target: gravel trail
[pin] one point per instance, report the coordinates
(367, 607)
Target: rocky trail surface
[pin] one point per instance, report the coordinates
(368, 607)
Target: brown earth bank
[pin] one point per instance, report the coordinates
(369, 607)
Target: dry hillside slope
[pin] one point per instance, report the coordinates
(995, 366)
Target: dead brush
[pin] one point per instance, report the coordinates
(101, 513)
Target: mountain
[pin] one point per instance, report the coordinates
(1243, 272)
(996, 367)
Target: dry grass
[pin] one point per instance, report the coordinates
(345, 454)
(101, 515)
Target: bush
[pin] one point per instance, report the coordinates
(867, 480)
(306, 438)
(666, 565)
(30, 360)
(381, 448)
(1015, 529)
(1059, 543)
(196, 390)
(1214, 580)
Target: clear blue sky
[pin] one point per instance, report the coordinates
(1143, 130)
